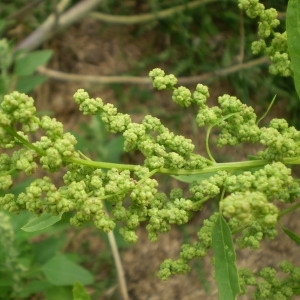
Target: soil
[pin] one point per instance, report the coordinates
(91, 48)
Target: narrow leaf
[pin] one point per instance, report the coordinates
(42, 222)
(225, 266)
(293, 39)
(60, 271)
(27, 64)
(292, 235)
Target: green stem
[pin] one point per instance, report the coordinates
(9, 172)
(215, 167)
(207, 143)
(148, 17)
(288, 210)
(208, 134)
(267, 111)
(230, 166)
(26, 143)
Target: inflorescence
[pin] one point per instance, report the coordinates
(247, 197)
(247, 194)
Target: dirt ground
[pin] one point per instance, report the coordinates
(85, 49)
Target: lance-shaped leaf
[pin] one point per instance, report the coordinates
(41, 222)
(226, 274)
(293, 38)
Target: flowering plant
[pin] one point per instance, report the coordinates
(247, 192)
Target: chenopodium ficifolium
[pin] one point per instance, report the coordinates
(268, 285)
(271, 43)
(247, 193)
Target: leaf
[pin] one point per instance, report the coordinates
(34, 287)
(79, 292)
(48, 248)
(292, 235)
(200, 177)
(293, 39)
(60, 271)
(27, 64)
(114, 149)
(28, 83)
(59, 293)
(41, 222)
(225, 267)
(193, 178)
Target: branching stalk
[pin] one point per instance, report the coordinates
(45, 31)
(59, 75)
(129, 20)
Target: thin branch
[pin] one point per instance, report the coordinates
(118, 19)
(45, 31)
(58, 75)
(119, 266)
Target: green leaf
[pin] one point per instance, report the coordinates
(60, 271)
(33, 287)
(225, 267)
(59, 293)
(193, 178)
(28, 83)
(292, 235)
(48, 248)
(41, 222)
(114, 149)
(27, 64)
(293, 39)
(79, 292)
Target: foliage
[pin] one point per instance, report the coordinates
(33, 268)
(23, 66)
(248, 193)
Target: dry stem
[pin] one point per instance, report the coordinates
(58, 75)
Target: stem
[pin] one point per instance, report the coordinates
(127, 20)
(118, 263)
(207, 143)
(26, 143)
(215, 167)
(45, 31)
(267, 111)
(229, 166)
(10, 172)
(124, 79)
(288, 210)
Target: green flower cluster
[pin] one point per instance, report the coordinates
(274, 180)
(268, 22)
(236, 120)
(270, 286)
(247, 191)
(190, 251)
(161, 147)
(249, 206)
(18, 125)
(280, 139)
(16, 109)
(165, 211)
